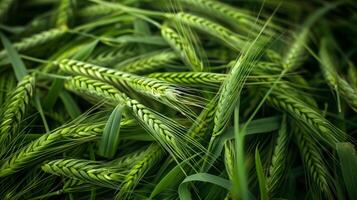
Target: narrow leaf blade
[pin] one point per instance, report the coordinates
(14, 57)
(110, 139)
(261, 177)
(348, 161)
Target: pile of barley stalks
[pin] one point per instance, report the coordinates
(178, 99)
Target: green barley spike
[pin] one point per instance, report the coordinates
(313, 161)
(86, 171)
(183, 46)
(321, 128)
(147, 63)
(15, 108)
(153, 155)
(190, 78)
(36, 40)
(147, 118)
(47, 145)
(64, 12)
(279, 159)
(207, 26)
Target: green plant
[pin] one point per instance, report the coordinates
(15, 108)
(178, 99)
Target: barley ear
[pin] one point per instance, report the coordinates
(313, 162)
(279, 159)
(86, 171)
(15, 108)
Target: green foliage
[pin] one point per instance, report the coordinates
(178, 99)
(111, 134)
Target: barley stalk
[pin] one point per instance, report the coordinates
(37, 40)
(287, 86)
(7, 84)
(211, 28)
(15, 108)
(230, 91)
(349, 92)
(336, 82)
(86, 171)
(151, 121)
(150, 62)
(313, 161)
(108, 57)
(190, 78)
(183, 46)
(212, 79)
(279, 159)
(295, 55)
(128, 160)
(203, 123)
(75, 183)
(202, 85)
(229, 155)
(95, 88)
(321, 128)
(119, 164)
(63, 13)
(153, 155)
(160, 90)
(237, 17)
(47, 144)
(96, 10)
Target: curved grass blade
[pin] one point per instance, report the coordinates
(70, 104)
(109, 142)
(261, 176)
(16, 62)
(348, 160)
(171, 177)
(184, 192)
